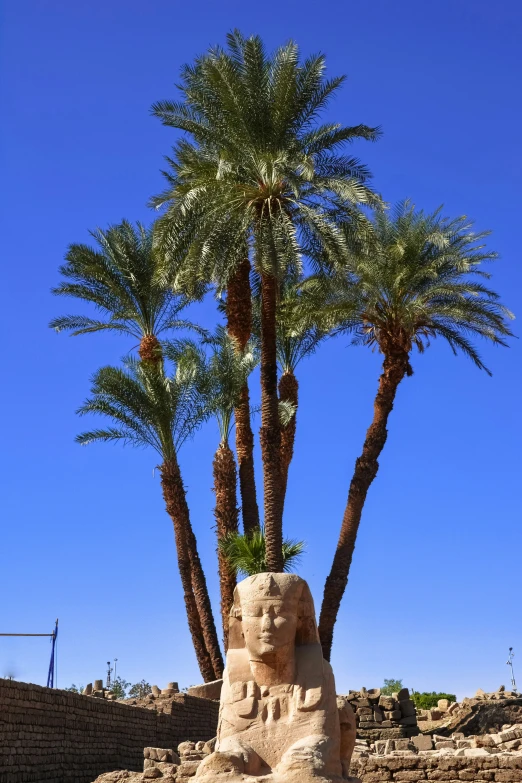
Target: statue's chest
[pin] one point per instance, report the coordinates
(251, 704)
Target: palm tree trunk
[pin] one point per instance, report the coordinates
(226, 513)
(199, 582)
(395, 368)
(174, 495)
(288, 392)
(270, 434)
(239, 326)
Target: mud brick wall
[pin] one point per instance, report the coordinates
(53, 736)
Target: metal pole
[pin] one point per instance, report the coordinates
(510, 663)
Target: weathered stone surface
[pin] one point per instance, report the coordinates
(279, 713)
(422, 742)
(407, 708)
(209, 690)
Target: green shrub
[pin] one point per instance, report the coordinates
(428, 701)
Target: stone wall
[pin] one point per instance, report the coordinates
(383, 717)
(52, 736)
(450, 769)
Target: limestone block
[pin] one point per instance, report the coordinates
(209, 690)
(387, 703)
(87, 691)
(98, 685)
(443, 704)
(422, 742)
(403, 694)
(393, 715)
(407, 708)
(155, 690)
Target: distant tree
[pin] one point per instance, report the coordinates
(119, 687)
(75, 689)
(140, 689)
(427, 701)
(391, 686)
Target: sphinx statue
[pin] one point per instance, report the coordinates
(279, 720)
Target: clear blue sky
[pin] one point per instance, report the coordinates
(435, 591)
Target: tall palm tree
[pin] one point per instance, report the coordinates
(416, 282)
(224, 375)
(257, 168)
(119, 277)
(150, 408)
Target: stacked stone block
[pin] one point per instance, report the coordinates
(383, 717)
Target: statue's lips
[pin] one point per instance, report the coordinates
(268, 638)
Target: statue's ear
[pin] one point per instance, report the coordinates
(236, 640)
(306, 626)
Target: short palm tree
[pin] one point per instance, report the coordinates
(150, 408)
(417, 281)
(258, 170)
(119, 277)
(246, 554)
(224, 375)
(297, 339)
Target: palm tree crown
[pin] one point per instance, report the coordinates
(120, 278)
(417, 280)
(258, 164)
(148, 408)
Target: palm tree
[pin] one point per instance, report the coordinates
(247, 554)
(149, 408)
(415, 283)
(297, 338)
(119, 277)
(225, 375)
(258, 169)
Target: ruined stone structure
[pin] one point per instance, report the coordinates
(55, 736)
(279, 718)
(383, 717)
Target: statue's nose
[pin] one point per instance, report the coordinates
(266, 622)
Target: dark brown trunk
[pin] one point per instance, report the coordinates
(270, 435)
(366, 466)
(199, 585)
(288, 392)
(226, 513)
(174, 495)
(239, 325)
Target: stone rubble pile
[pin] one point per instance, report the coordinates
(165, 764)
(508, 740)
(446, 709)
(491, 757)
(99, 691)
(384, 716)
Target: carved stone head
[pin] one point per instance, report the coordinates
(272, 611)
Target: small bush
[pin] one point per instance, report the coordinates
(428, 701)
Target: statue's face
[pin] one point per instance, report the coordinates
(267, 627)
